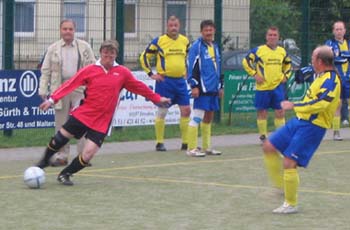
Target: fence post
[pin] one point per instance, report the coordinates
(120, 30)
(305, 56)
(218, 38)
(7, 45)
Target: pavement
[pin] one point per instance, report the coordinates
(34, 153)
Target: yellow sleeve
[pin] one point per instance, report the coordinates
(249, 64)
(146, 58)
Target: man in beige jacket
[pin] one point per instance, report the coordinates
(62, 60)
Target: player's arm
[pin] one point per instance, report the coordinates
(67, 87)
(321, 101)
(250, 65)
(193, 71)
(147, 55)
(287, 67)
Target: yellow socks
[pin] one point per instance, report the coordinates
(279, 122)
(206, 135)
(273, 164)
(159, 125)
(291, 184)
(184, 128)
(336, 123)
(262, 127)
(192, 133)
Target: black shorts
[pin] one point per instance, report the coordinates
(78, 130)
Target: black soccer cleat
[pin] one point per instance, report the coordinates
(262, 138)
(160, 147)
(184, 146)
(65, 179)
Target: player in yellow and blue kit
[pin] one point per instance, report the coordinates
(170, 51)
(270, 65)
(298, 140)
(206, 88)
(340, 47)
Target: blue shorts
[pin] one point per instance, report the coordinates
(298, 140)
(174, 88)
(266, 99)
(206, 103)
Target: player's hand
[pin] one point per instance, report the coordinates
(157, 77)
(195, 92)
(287, 105)
(259, 79)
(45, 105)
(164, 102)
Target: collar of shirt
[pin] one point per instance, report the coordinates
(62, 42)
(98, 62)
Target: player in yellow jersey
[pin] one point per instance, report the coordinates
(170, 51)
(270, 65)
(300, 137)
(340, 48)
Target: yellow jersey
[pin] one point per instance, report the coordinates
(271, 64)
(321, 100)
(170, 56)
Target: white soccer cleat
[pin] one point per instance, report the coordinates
(345, 123)
(195, 153)
(286, 208)
(213, 152)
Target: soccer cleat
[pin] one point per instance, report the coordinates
(65, 179)
(336, 136)
(160, 147)
(213, 152)
(286, 208)
(345, 123)
(184, 146)
(59, 162)
(195, 153)
(262, 138)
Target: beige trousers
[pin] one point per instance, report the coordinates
(69, 102)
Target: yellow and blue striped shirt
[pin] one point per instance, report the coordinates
(170, 56)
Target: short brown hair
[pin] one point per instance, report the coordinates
(206, 23)
(110, 45)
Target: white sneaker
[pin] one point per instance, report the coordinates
(345, 123)
(195, 153)
(213, 152)
(286, 209)
(336, 136)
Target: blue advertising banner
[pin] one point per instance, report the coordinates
(20, 101)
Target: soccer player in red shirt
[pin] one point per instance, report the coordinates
(103, 81)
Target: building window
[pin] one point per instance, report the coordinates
(24, 18)
(130, 18)
(76, 10)
(179, 9)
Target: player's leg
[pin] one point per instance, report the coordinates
(61, 115)
(60, 139)
(93, 143)
(182, 98)
(262, 102)
(278, 95)
(159, 126)
(196, 118)
(345, 94)
(336, 124)
(273, 164)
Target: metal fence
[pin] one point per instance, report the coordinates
(37, 24)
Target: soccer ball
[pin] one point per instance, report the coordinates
(34, 177)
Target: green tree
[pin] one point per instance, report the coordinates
(265, 13)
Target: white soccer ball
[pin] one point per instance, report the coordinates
(34, 177)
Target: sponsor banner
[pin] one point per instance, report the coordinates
(19, 101)
(135, 110)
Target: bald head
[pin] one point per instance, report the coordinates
(322, 58)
